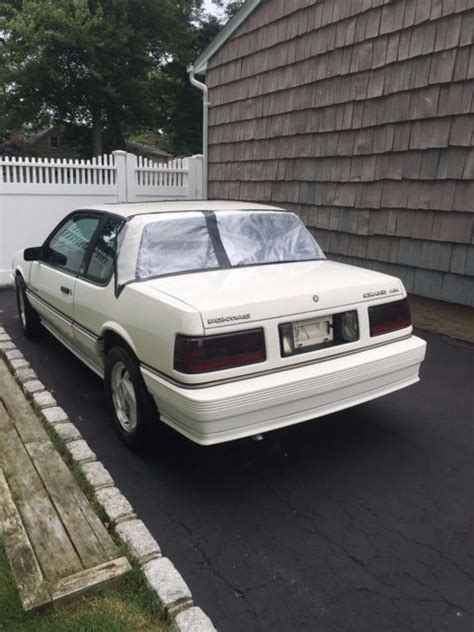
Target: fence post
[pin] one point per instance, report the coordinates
(195, 176)
(131, 162)
(126, 165)
(120, 160)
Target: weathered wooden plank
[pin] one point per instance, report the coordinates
(90, 579)
(53, 549)
(19, 409)
(91, 540)
(56, 544)
(29, 579)
(89, 536)
(50, 541)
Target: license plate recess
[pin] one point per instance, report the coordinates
(304, 335)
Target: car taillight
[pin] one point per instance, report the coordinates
(199, 354)
(389, 317)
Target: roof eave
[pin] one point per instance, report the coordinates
(200, 65)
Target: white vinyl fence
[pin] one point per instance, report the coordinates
(36, 193)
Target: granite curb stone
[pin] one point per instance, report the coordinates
(43, 399)
(25, 375)
(96, 474)
(142, 545)
(192, 620)
(115, 505)
(67, 432)
(54, 415)
(32, 387)
(19, 363)
(173, 596)
(14, 354)
(79, 451)
(6, 346)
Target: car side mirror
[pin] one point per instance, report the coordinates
(34, 254)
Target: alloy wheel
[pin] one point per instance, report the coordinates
(123, 397)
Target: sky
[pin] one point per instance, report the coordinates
(210, 7)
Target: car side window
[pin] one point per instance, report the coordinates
(101, 263)
(67, 247)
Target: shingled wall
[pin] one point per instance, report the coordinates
(358, 115)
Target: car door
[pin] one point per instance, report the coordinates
(52, 280)
(94, 295)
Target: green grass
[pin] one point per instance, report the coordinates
(123, 607)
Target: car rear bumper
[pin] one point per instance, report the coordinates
(228, 411)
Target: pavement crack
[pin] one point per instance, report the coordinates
(380, 579)
(419, 543)
(239, 594)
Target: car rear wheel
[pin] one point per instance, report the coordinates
(132, 407)
(29, 319)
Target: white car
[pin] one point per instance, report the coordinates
(221, 319)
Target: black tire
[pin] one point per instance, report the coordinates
(29, 319)
(121, 364)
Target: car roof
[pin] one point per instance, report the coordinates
(140, 208)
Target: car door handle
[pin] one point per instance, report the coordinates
(65, 290)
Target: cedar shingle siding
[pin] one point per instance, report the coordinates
(358, 115)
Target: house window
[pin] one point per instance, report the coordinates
(54, 142)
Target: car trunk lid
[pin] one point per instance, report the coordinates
(239, 296)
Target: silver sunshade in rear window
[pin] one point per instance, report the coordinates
(161, 244)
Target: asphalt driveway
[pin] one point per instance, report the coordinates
(361, 522)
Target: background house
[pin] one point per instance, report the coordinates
(359, 116)
(58, 142)
(52, 143)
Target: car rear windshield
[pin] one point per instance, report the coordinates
(162, 244)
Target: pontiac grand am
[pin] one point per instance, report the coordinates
(221, 319)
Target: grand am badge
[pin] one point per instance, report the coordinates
(376, 293)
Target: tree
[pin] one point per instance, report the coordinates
(231, 7)
(91, 62)
(118, 65)
(179, 104)
(14, 145)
